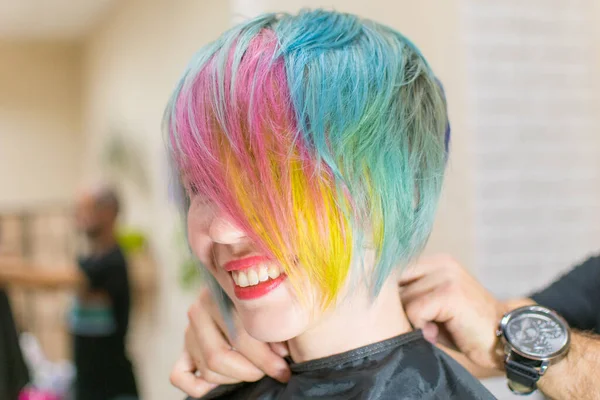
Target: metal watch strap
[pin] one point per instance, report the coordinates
(522, 374)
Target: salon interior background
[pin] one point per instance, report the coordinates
(522, 198)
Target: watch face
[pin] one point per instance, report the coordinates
(536, 334)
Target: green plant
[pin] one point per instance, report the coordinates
(131, 240)
(189, 274)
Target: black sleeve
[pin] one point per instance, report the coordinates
(100, 271)
(576, 295)
(13, 370)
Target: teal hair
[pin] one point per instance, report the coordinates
(366, 112)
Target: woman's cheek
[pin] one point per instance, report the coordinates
(199, 240)
(201, 248)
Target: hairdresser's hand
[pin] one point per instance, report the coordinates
(210, 359)
(452, 308)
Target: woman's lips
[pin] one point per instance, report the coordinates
(244, 263)
(254, 277)
(259, 290)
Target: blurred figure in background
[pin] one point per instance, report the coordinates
(100, 316)
(13, 371)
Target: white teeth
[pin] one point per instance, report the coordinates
(273, 271)
(252, 277)
(263, 274)
(242, 279)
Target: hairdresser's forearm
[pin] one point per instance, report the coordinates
(575, 377)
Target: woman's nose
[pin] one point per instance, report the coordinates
(223, 230)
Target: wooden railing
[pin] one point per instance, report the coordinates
(38, 241)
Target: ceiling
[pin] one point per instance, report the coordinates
(50, 19)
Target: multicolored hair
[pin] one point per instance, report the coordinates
(319, 134)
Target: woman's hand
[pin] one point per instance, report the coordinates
(212, 358)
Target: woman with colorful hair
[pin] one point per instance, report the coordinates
(311, 149)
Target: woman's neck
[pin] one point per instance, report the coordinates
(358, 321)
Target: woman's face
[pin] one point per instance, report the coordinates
(261, 293)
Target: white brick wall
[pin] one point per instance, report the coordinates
(531, 97)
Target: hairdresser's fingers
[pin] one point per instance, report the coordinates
(419, 287)
(464, 310)
(205, 363)
(183, 376)
(430, 332)
(431, 313)
(280, 348)
(268, 357)
(438, 335)
(203, 333)
(213, 346)
(427, 308)
(412, 273)
(263, 356)
(260, 355)
(213, 355)
(427, 265)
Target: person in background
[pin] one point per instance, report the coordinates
(13, 370)
(453, 310)
(100, 317)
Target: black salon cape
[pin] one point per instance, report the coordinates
(404, 367)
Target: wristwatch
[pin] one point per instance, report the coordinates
(534, 337)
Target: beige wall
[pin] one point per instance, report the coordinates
(40, 130)
(131, 65)
(134, 60)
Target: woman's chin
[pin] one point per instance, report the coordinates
(273, 327)
(277, 317)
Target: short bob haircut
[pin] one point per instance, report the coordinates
(319, 134)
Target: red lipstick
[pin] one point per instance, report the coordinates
(256, 291)
(252, 291)
(243, 263)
